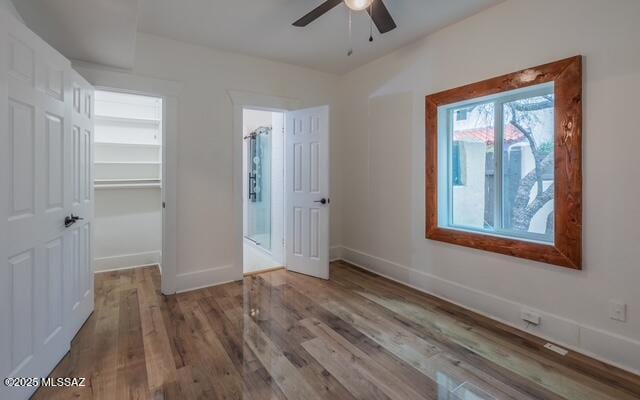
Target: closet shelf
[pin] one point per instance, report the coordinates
(126, 120)
(127, 183)
(128, 186)
(128, 180)
(120, 144)
(128, 162)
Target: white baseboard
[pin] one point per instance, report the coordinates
(224, 274)
(335, 253)
(207, 277)
(601, 345)
(127, 261)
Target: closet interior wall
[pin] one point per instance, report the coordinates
(128, 171)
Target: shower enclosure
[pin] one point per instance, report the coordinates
(258, 217)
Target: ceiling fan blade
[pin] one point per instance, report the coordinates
(381, 17)
(317, 12)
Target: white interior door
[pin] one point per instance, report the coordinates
(78, 254)
(35, 197)
(307, 201)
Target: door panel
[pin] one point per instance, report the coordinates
(307, 182)
(81, 200)
(36, 172)
(22, 160)
(75, 176)
(72, 260)
(21, 299)
(54, 273)
(54, 138)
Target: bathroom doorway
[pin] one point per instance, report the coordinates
(263, 190)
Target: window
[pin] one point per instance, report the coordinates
(509, 191)
(493, 177)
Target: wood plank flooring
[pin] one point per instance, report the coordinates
(280, 335)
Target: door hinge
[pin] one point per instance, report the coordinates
(164, 205)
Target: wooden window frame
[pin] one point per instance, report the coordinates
(566, 251)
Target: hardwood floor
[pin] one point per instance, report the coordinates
(280, 335)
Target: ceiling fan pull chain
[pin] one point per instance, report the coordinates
(350, 52)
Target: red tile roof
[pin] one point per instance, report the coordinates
(511, 135)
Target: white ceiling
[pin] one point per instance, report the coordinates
(99, 31)
(263, 27)
(103, 31)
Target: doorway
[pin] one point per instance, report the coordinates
(306, 197)
(128, 155)
(263, 189)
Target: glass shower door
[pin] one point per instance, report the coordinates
(259, 189)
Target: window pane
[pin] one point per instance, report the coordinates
(527, 163)
(472, 178)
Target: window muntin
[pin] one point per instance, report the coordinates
(495, 171)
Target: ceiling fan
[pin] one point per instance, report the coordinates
(376, 9)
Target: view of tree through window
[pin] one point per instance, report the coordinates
(501, 164)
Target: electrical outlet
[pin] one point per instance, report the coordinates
(530, 316)
(618, 310)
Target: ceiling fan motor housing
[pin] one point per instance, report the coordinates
(358, 5)
(376, 9)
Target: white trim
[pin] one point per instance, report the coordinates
(242, 100)
(128, 268)
(335, 253)
(110, 79)
(100, 75)
(613, 349)
(126, 261)
(207, 277)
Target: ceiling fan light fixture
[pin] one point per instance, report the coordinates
(358, 5)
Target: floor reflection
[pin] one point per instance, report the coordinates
(281, 335)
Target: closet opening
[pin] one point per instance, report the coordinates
(128, 158)
(263, 190)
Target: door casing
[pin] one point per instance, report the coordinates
(169, 91)
(242, 100)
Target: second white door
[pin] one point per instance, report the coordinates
(46, 275)
(307, 201)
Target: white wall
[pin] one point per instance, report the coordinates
(205, 223)
(127, 228)
(8, 6)
(382, 107)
